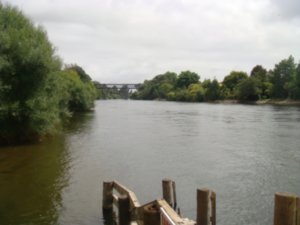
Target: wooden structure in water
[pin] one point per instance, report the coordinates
(163, 211)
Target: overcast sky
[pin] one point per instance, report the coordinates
(134, 40)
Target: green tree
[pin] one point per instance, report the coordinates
(262, 77)
(84, 77)
(164, 89)
(157, 88)
(296, 93)
(182, 95)
(28, 67)
(281, 78)
(195, 93)
(259, 73)
(186, 78)
(230, 83)
(212, 90)
(81, 95)
(248, 89)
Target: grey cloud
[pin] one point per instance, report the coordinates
(287, 8)
(133, 40)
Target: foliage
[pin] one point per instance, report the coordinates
(81, 95)
(263, 81)
(84, 77)
(296, 84)
(212, 90)
(195, 93)
(259, 73)
(28, 68)
(157, 88)
(186, 78)
(282, 78)
(34, 93)
(230, 83)
(248, 89)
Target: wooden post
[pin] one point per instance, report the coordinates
(206, 207)
(107, 198)
(151, 215)
(174, 195)
(298, 211)
(285, 209)
(169, 193)
(213, 208)
(124, 210)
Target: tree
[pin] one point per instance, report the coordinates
(259, 73)
(84, 77)
(157, 88)
(212, 90)
(164, 89)
(297, 83)
(186, 78)
(28, 67)
(231, 81)
(283, 74)
(248, 89)
(81, 95)
(262, 77)
(195, 93)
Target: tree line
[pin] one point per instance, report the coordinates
(282, 82)
(36, 90)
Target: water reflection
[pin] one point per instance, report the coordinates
(31, 180)
(33, 177)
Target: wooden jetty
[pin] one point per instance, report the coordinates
(163, 211)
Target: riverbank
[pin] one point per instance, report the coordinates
(278, 102)
(287, 102)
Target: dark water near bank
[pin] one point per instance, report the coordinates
(245, 153)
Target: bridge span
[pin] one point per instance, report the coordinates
(129, 86)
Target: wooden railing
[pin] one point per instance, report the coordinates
(163, 211)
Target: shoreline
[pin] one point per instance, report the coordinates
(287, 102)
(280, 102)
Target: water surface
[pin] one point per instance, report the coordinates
(245, 153)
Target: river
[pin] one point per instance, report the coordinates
(245, 153)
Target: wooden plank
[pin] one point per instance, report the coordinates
(133, 199)
(178, 220)
(116, 200)
(122, 190)
(169, 210)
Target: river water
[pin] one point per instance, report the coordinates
(245, 153)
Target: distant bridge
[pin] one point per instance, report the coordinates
(130, 86)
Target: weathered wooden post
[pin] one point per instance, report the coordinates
(174, 195)
(169, 192)
(124, 210)
(285, 209)
(107, 197)
(151, 214)
(206, 207)
(107, 202)
(298, 211)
